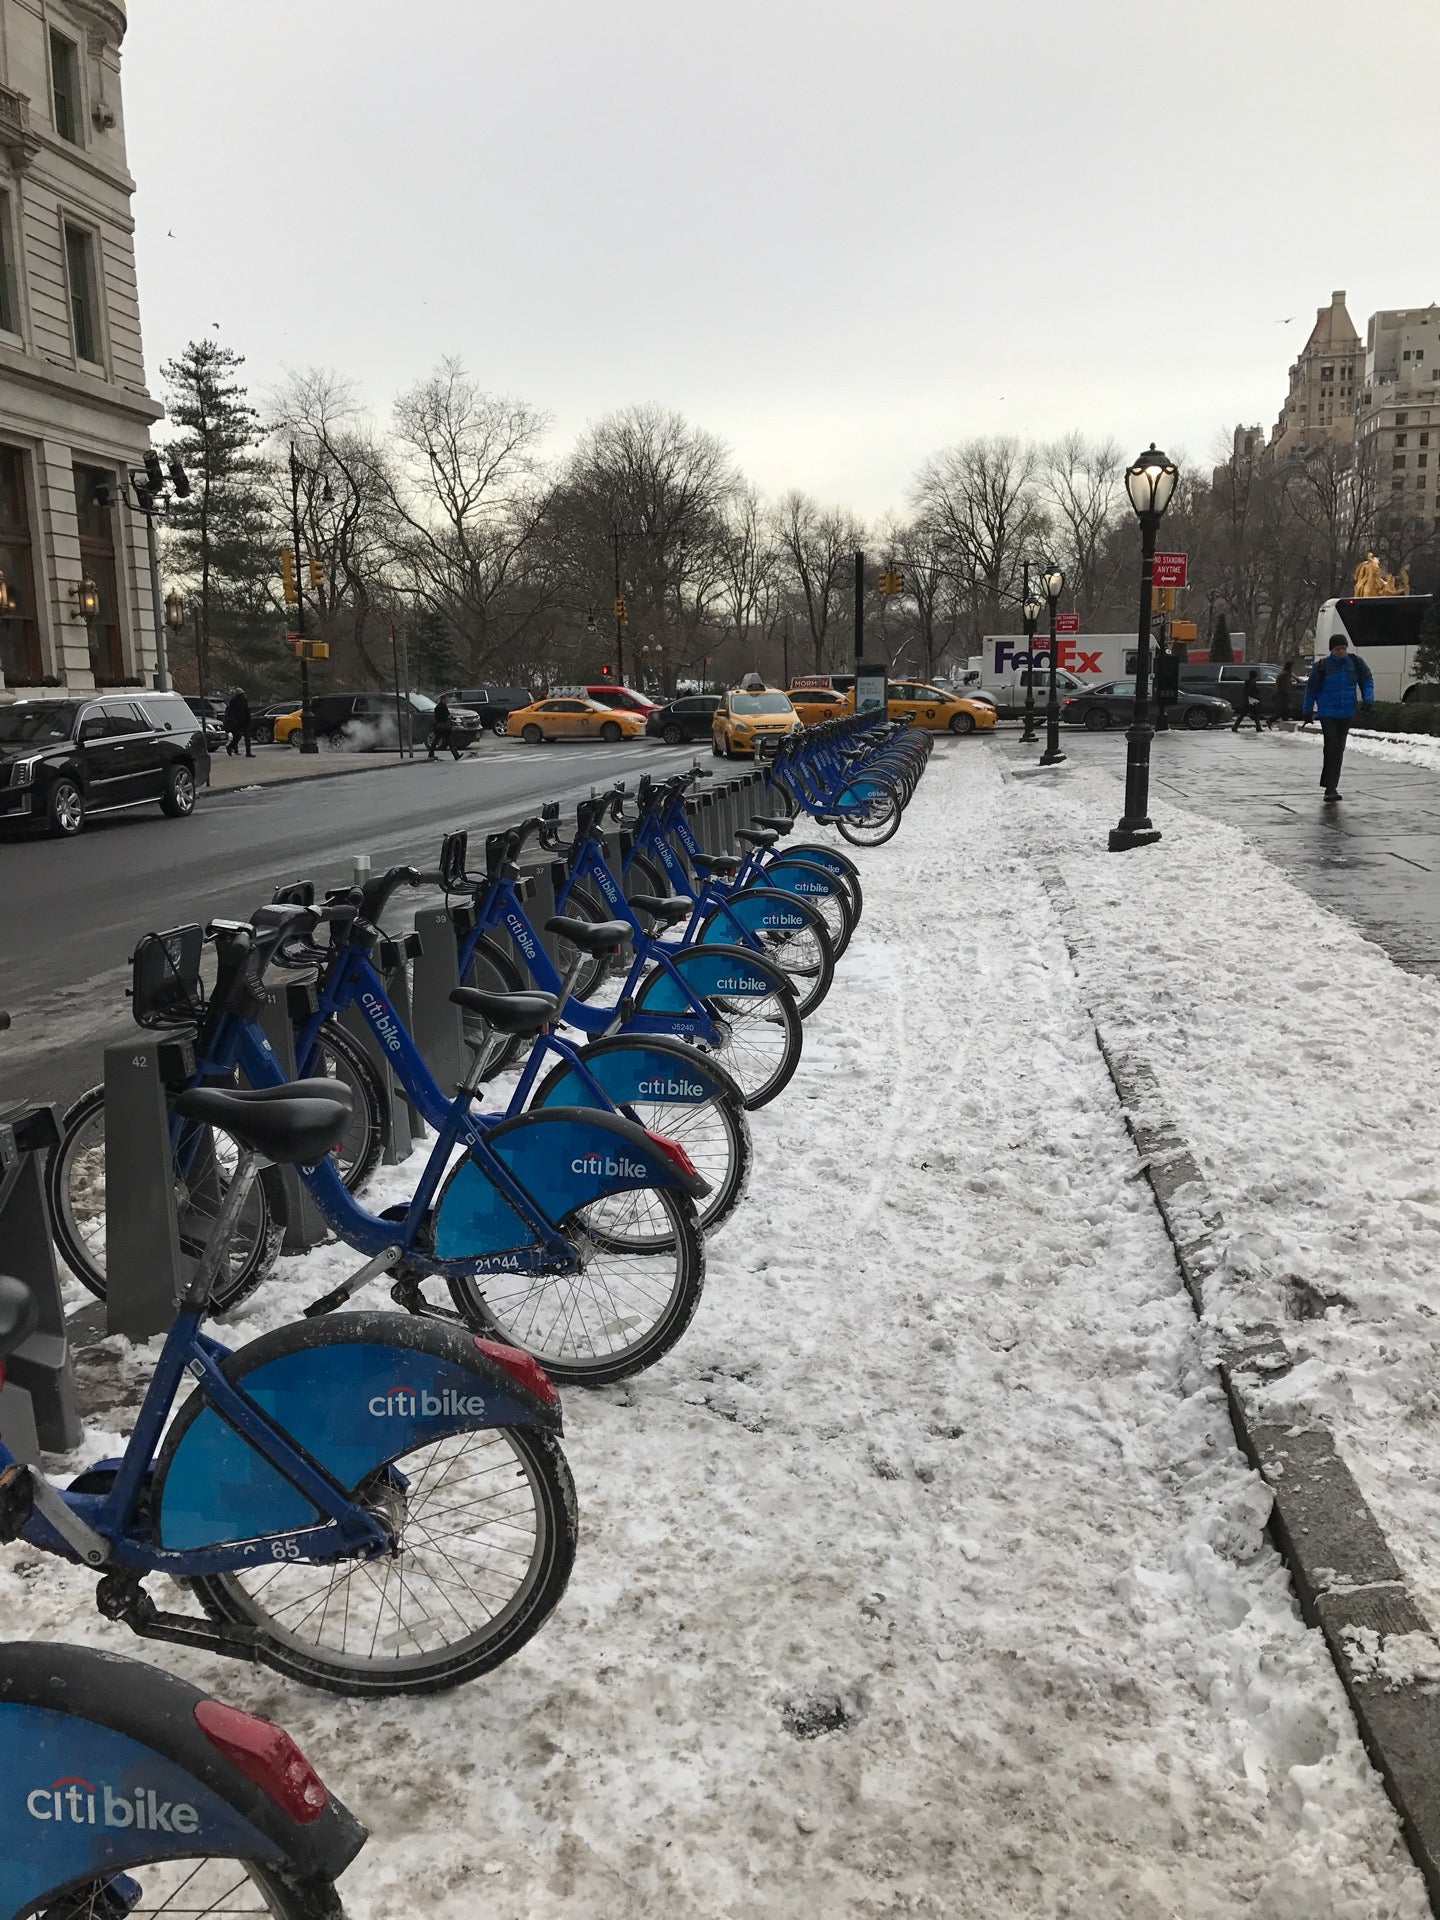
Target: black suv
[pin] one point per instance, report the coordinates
(492, 706)
(62, 760)
(687, 718)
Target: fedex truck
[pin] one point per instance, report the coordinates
(1384, 630)
(1001, 671)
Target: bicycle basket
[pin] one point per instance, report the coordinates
(165, 984)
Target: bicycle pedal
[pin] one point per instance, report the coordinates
(17, 1501)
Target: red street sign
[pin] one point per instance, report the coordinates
(1170, 570)
(293, 639)
(1067, 623)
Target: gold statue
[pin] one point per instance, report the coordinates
(1368, 578)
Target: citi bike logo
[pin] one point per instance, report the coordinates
(606, 885)
(520, 934)
(608, 1166)
(388, 1031)
(735, 983)
(672, 1089)
(73, 1802)
(404, 1403)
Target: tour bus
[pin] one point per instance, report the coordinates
(1384, 630)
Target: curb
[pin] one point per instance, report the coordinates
(303, 779)
(1346, 1578)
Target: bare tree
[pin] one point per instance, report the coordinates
(981, 501)
(819, 545)
(1080, 485)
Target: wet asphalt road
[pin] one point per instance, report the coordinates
(71, 912)
(1375, 857)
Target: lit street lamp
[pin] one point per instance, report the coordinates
(1150, 483)
(1054, 585)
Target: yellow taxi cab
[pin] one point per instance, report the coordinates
(815, 701)
(922, 705)
(285, 725)
(750, 713)
(573, 717)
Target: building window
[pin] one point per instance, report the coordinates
(1401, 438)
(1401, 418)
(1422, 459)
(84, 316)
(1424, 440)
(65, 88)
(19, 633)
(97, 561)
(9, 290)
(1398, 461)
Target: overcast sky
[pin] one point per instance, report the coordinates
(840, 235)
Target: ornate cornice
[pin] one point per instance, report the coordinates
(106, 17)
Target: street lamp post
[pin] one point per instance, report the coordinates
(1031, 614)
(1054, 585)
(298, 470)
(174, 621)
(1150, 483)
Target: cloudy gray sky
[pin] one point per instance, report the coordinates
(840, 235)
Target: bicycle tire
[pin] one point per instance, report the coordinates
(161, 1882)
(759, 1077)
(833, 861)
(554, 1330)
(807, 954)
(363, 1141)
(493, 971)
(832, 904)
(715, 1133)
(581, 904)
(542, 1465)
(645, 875)
(75, 1194)
(881, 823)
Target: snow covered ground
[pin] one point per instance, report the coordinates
(924, 1578)
(1412, 749)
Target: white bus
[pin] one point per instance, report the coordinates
(1385, 631)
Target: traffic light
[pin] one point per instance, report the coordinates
(288, 581)
(605, 672)
(1162, 599)
(622, 612)
(892, 581)
(154, 474)
(314, 649)
(179, 479)
(317, 574)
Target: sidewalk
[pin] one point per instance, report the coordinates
(278, 766)
(924, 1578)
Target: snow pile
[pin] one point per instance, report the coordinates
(923, 1578)
(1412, 749)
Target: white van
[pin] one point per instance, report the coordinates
(1385, 632)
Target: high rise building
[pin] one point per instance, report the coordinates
(1324, 384)
(1398, 424)
(74, 409)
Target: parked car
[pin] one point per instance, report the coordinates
(814, 704)
(685, 719)
(370, 723)
(570, 717)
(1113, 705)
(491, 705)
(1227, 677)
(746, 715)
(937, 711)
(63, 760)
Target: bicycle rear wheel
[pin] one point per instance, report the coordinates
(764, 1034)
(493, 971)
(641, 1272)
(804, 950)
(196, 1889)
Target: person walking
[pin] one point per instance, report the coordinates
(1284, 693)
(442, 729)
(1249, 707)
(1331, 690)
(237, 723)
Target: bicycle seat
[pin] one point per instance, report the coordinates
(295, 1125)
(19, 1315)
(776, 822)
(508, 1012)
(720, 863)
(591, 936)
(664, 907)
(748, 837)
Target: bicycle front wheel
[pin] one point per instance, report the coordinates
(762, 1033)
(635, 1288)
(197, 1889)
(484, 1526)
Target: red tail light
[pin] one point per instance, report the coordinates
(675, 1153)
(523, 1368)
(267, 1755)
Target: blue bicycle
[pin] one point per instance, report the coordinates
(126, 1791)
(369, 1503)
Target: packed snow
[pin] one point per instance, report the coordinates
(924, 1577)
(1410, 749)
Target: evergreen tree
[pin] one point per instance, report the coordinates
(1427, 654)
(1220, 647)
(222, 538)
(434, 657)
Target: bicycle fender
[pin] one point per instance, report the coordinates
(634, 1069)
(807, 878)
(756, 909)
(712, 972)
(103, 1766)
(352, 1390)
(566, 1157)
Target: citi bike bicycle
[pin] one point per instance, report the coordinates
(369, 1503)
(125, 1791)
(858, 773)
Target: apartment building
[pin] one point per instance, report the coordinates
(75, 603)
(1397, 429)
(1325, 382)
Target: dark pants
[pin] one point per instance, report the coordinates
(1335, 733)
(232, 745)
(1243, 713)
(441, 738)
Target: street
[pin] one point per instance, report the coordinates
(73, 911)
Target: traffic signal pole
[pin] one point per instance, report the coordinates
(308, 742)
(162, 672)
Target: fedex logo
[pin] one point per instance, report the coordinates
(1068, 656)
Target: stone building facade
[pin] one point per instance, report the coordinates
(74, 409)
(1398, 424)
(1325, 383)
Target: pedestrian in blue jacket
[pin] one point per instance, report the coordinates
(1331, 688)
